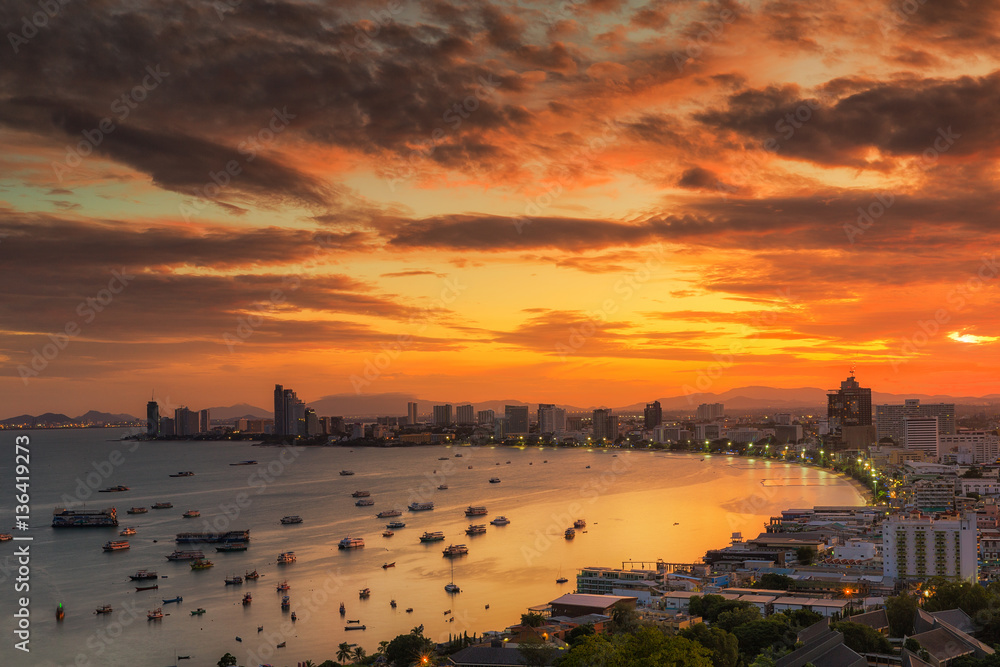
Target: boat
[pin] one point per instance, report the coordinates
(580, 523)
(230, 536)
(234, 580)
(470, 467)
(343, 609)
(677, 523)
(386, 566)
(155, 614)
(294, 618)
(364, 502)
(248, 462)
(104, 609)
(475, 510)
(351, 543)
(138, 510)
(436, 536)
(191, 514)
(186, 473)
(420, 507)
(286, 557)
(247, 599)
(451, 586)
(561, 580)
(146, 588)
(346, 473)
(294, 518)
(500, 521)
(201, 564)
(162, 506)
(232, 546)
(409, 610)
(251, 575)
(395, 524)
(285, 602)
(570, 533)
(588, 467)
(198, 612)
(6, 537)
(143, 574)
(361, 494)
(260, 628)
(387, 533)
(494, 480)
(442, 487)
(354, 627)
(114, 489)
(354, 621)
(476, 529)
(387, 514)
(443, 458)
(283, 586)
(458, 456)
(281, 645)
(127, 531)
(364, 593)
(392, 603)
(60, 612)
(185, 555)
(508, 462)
(65, 518)
(455, 550)
(116, 545)
(176, 599)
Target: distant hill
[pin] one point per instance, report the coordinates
(239, 411)
(58, 419)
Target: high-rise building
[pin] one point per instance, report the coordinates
(411, 413)
(279, 410)
(485, 417)
(851, 405)
(289, 412)
(204, 421)
(551, 419)
(710, 411)
(605, 426)
(152, 419)
(442, 415)
(517, 419)
(920, 547)
(500, 425)
(921, 434)
(465, 415)
(167, 427)
(185, 421)
(312, 425)
(984, 445)
(652, 415)
(889, 418)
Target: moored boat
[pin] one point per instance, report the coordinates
(138, 510)
(155, 614)
(232, 546)
(201, 564)
(561, 580)
(361, 494)
(114, 489)
(162, 506)
(185, 555)
(420, 507)
(387, 533)
(351, 543)
(234, 580)
(116, 545)
(364, 593)
(364, 502)
(186, 473)
(248, 462)
(292, 518)
(127, 531)
(435, 536)
(386, 514)
(455, 550)
(104, 609)
(146, 588)
(494, 480)
(500, 521)
(386, 566)
(64, 518)
(476, 529)
(230, 536)
(346, 473)
(580, 523)
(570, 533)
(395, 524)
(198, 612)
(442, 487)
(286, 602)
(286, 557)
(191, 514)
(343, 609)
(475, 510)
(247, 599)
(283, 586)
(140, 575)
(176, 599)
(251, 575)
(355, 627)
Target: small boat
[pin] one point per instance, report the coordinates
(294, 518)
(162, 506)
(361, 494)
(455, 550)
(677, 523)
(475, 510)
(176, 599)
(285, 602)
(364, 593)
(442, 487)
(249, 462)
(247, 599)
(447, 611)
(420, 507)
(281, 645)
(294, 617)
(251, 575)
(191, 514)
(497, 463)
(114, 489)
(508, 462)
(143, 574)
(137, 510)
(494, 480)
(260, 628)
(283, 586)
(580, 523)
(116, 545)
(351, 543)
(452, 588)
(358, 621)
(387, 514)
(354, 627)
(409, 610)
(343, 609)
(386, 566)
(395, 524)
(364, 502)
(60, 612)
(201, 564)
(286, 557)
(128, 530)
(487, 606)
(387, 533)
(232, 546)
(476, 529)
(198, 612)
(234, 580)
(104, 609)
(561, 580)
(185, 555)
(436, 536)
(392, 603)
(570, 533)
(346, 473)
(470, 467)
(500, 521)
(588, 467)
(458, 456)
(442, 458)
(186, 473)
(155, 614)
(239, 639)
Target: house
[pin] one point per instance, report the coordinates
(821, 647)
(575, 604)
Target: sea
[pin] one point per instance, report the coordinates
(640, 506)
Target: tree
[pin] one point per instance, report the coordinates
(805, 555)
(532, 620)
(228, 660)
(578, 632)
(728, 620)
(359, 654)
(624, 619)
(381, 647)
(723, 645)
(646, 646)
(344, 652)
(862, 638)
(900, 610)
(756, 636)
(774, 582)
(535, 652)
(405, 649)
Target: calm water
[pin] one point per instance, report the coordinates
(631, 502)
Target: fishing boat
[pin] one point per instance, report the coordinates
(442, 487)
(476, 529)
(234, 580)
(458, 456)
(364, 593)
(364, 502)
(281, 645)
(249, 462)
(127, 531)
(116, 545)
(351, 543)
(198, 612)
(387, 533)
(475, 510)
(436, 536)
(185, 555)
(286, 557)
(500, 521)
(60, 612)
(420, 507)
(409, 610)
(114, 489)
(6, 537)
(146, 588)
(355, 627)
(443, 458)
(191, 514)
(387, 514)
(294, 518)
(251, 575)
(386, 566)
(285, 602)
(176, 599)
(294, 617)
(104, 609)
(346, 473)
(137, 510)
(453, 550)
(186, 473)
(283, 586)
(143, 574)
(570, 533)
(201, 564)
(494, 480)
(162, 506)
(561, 580)
(579, 523)
(343, 609)
(395, 524)
(361, 494)
(232, 546)
(155, 614)
(247, 599)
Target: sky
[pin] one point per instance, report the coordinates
(593, 202)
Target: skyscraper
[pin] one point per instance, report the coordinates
(551, 419)
(652, 415)
(442, 415)
(185, 421)
(851, 405)
(152, 419)
(889, 418)
(465, 415)
(921, 434)
(411, 413)
(289, 412)
(485, 416)
(204, 421)
(517, 419)
(279, 410)
(605, 426)
(710, 411)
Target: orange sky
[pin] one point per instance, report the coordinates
(591, 203)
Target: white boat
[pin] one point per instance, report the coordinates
(436, 536)
(500, 521)
(451, 586)
(476, 529)
(455, 550)
(494, 480)
(475, 510)
(351, 543)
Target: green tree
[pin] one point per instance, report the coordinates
(405, 649)
(344, 652)
(900, 610)
(624, 619)
(728, 620)
(756, 636)
(579, 632)
(805, 555)
(646, 646)
(862, 638)
(228, 660)
(532, 620)
(774, 582)
(535, 652)
(912, 644)
(359, 655)
(723, 645)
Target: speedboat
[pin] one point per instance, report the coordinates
(186, 473)
(500, 521)
(561, 580)
(128, 530)
(494, 480)
(191, 514)
(104, 609)
(386, 566)
(387, 533)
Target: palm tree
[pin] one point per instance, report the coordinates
(309, 663)
(359, 655)
(382, 646)
(344, 652)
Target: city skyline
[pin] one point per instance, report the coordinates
(611, 201)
